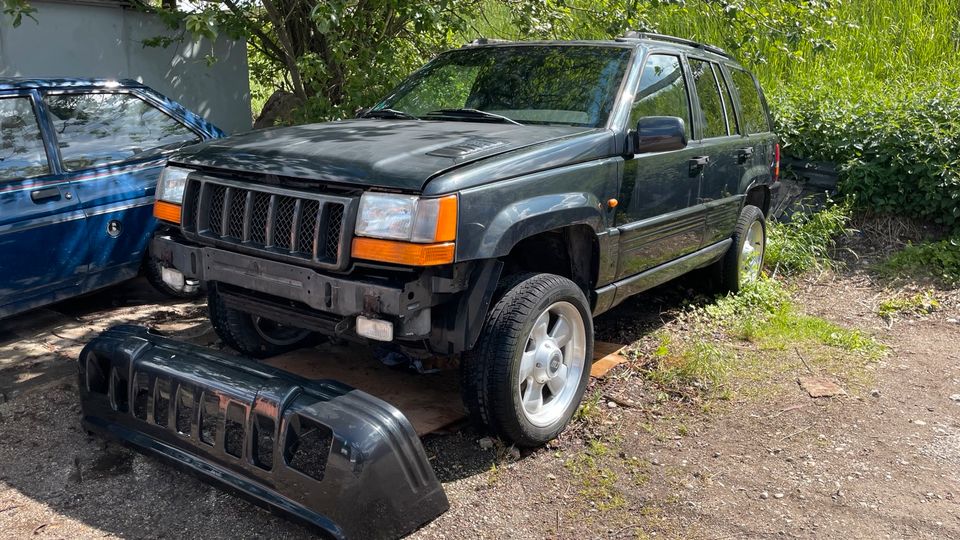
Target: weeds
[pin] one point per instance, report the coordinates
(763, 315)
(597, 483)
(919, 304)
(939, 260)
(805, 241)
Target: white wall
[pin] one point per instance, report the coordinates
(71, 40)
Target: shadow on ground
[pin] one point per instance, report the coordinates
(83, 482)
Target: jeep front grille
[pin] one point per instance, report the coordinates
(276, 222)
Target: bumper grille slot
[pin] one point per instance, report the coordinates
(209, 419)
(276, 222)
(233, 430)
(307, 447)
(319, 451)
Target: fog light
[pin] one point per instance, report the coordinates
(375, 329)
(173, 278)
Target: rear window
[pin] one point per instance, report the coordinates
(21, 146)
(751, 107)
(100, 128)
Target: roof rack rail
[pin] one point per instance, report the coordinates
(485, 41)
(633, 34)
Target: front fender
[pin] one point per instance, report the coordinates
(495, 217)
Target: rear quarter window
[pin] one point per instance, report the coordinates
(752, 111)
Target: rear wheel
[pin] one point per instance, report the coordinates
(253, 335)
(527, 374)
(744, 260)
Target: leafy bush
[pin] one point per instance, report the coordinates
(896, 145)
(932, 259)
(804, 242)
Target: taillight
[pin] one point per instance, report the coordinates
(776, 162)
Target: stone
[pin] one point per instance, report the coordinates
(818, 387)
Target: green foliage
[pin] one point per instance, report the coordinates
(805, 241)
(919, 304)
(17, 10)
(939, 260)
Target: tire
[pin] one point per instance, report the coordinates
(253, 335)
(152, 269)
(734, 270)
(502, 400)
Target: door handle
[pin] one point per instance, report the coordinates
(45, 195)
(744, 155)
(697, 164)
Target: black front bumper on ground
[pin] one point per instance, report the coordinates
(318, 451)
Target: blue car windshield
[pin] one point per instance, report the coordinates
(528, 84)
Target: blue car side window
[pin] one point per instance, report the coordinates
(21, 146)
(95, 129)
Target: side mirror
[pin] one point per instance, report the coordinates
(659, 134)
(361, 112)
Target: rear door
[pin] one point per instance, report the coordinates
(756, 151)
(722, 144)
(658, 215)
(112, 145)
(41, 224)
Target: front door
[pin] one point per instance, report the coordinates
(659, 215)
(112, 146)
(42, 242)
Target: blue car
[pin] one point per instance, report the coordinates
(79, 162)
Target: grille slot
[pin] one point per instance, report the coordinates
(279, 222)
(218, 196)
(334, 228)
(283, 222)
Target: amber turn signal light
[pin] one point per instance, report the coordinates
(391, 251)
(167, 211)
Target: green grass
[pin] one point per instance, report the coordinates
(708, 354)
(805, 241)
(919, 304)
(937, 260)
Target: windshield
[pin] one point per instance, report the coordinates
(562, 84)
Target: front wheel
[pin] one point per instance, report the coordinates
(253, 335)
(528, 372)
(744, 260)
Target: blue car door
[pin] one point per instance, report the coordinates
(42, 234)
(112, 145)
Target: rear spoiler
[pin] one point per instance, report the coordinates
(317, 451)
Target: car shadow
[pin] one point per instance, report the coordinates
(47, 457)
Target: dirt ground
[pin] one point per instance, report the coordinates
(882, 461)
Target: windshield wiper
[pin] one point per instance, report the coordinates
(389, 113)
(472, 113)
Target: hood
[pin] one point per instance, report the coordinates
(392, 154)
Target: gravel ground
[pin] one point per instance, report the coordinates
(881, 462)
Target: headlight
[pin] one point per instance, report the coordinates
(172, 182)
(407, 218)
(407, 230)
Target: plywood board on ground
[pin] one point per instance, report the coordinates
(429, 401)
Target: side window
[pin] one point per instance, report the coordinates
(21, 146)
(711, 103)
(101, 128)
(732, 127)
(751, 107)
(662, 91)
